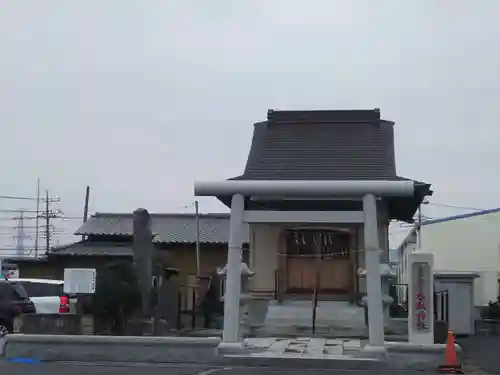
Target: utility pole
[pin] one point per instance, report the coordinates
(197, 209)
(86, 206)
(419, 231)
(47, 221)
(37, 219)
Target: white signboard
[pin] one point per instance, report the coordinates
(79, 280)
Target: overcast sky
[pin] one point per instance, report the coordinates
(140, 98)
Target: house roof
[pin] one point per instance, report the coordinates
(328, 145)
(8, 261)
(411, 235)
(167, 228)
(89, 248)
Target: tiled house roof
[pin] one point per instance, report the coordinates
(167, 228)
(89, 248)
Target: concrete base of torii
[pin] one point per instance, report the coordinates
(345, 354)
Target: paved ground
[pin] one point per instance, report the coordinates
(304, 347)
(482, 352)
(182, 369)
(481, 356)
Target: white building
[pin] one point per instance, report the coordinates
(462, 243)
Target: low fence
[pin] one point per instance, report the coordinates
(441, 306)
(185, 312)
(400, 294)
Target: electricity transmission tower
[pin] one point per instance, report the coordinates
(42, 215)
(20, 235)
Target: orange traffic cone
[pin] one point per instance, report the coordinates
(451, 366)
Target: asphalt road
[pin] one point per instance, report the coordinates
(181, 369)
(482, 352)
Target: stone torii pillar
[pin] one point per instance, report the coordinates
(233, 274)
(372, 265)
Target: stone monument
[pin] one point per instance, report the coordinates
(421, 298)
(142, 246)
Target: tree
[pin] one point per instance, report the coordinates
(117, 296)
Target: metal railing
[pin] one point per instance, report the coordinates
(314, 308)
(400, 294)
(441, 301)
(276, 284)
(187, 305)
(441, 306)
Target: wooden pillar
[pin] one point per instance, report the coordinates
(281, 251)
(353, 262)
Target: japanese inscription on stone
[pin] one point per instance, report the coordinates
(421, 296)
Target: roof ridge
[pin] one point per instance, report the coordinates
(322, 115)
(165, 214)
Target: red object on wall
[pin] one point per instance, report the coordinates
(64, 304)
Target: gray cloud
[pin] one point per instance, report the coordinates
(138, 99)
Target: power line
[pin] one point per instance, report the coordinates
(16, 227)
(14, 210)
(456, 207)
(17, 198)
(40, 217)
(29, 232)
(21, 232)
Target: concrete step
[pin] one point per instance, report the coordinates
(338, 318)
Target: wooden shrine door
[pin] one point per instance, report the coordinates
(318, 257)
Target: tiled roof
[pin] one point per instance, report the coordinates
(328, 145)
(90, 248)
(322, 145)
(167, 228)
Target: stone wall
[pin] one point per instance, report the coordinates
(111, 348)
(53, 324)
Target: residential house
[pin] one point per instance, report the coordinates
(468, 243)
(108, 237)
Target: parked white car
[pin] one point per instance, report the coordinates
(47, 295)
